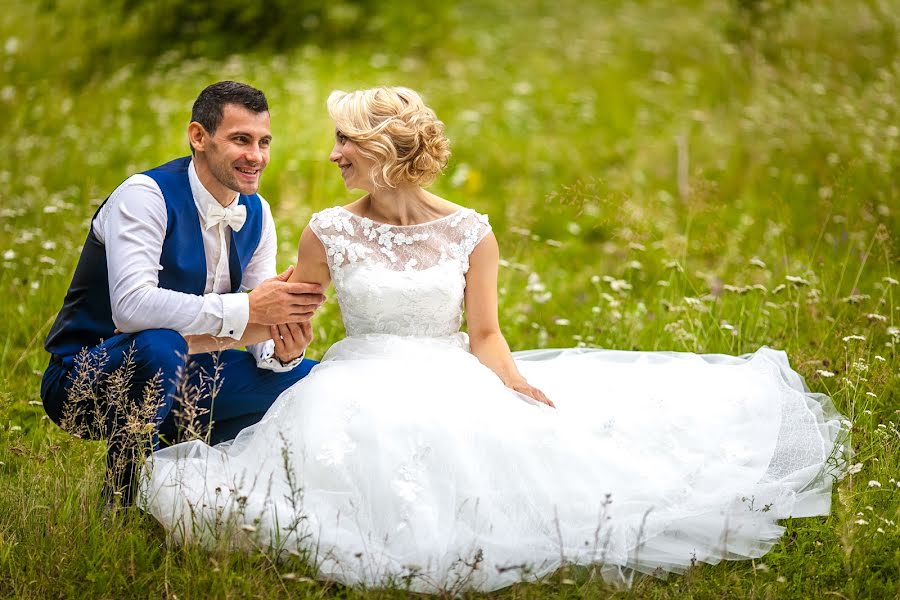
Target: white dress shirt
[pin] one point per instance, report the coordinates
(132, 226)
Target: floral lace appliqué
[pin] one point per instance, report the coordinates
(402, 280)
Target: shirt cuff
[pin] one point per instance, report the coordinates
(268, 360)
(235, 315)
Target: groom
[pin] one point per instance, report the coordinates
(162, 280)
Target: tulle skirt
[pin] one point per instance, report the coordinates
(406, 462)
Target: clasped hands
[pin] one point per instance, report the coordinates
(286, 308)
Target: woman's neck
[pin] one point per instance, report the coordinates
(403, 205)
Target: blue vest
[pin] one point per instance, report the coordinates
(86, 317)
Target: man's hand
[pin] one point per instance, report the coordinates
(276, 301)
(291, 340)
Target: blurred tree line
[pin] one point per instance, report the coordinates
(80, 39)
(217, 27)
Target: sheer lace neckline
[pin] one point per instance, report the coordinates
(380, 224)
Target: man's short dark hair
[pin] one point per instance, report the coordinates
(210, 104)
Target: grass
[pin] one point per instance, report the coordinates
(703, 176)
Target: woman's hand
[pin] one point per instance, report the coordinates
(523, 387)
(291, 340)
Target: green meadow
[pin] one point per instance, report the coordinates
(695, 176)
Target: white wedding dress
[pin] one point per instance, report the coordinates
(402, 460)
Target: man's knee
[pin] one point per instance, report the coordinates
(165, 349)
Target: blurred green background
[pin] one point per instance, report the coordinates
(703, 176)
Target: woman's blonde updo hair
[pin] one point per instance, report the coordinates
(393, 127)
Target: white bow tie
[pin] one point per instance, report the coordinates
(234, 217)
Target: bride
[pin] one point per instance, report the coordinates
(420, 456)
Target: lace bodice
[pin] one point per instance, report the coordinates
(401, 280)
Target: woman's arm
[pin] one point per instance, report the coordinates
(253, 334)
(312, 263)
(485, 337)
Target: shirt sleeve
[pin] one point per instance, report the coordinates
(132, 226)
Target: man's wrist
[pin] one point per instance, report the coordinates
(291, 362)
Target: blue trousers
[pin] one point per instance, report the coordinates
(244, 391)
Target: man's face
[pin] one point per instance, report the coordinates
(238, 151)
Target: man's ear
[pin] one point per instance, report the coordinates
(197, 136)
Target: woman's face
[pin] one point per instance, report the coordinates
(356, 169)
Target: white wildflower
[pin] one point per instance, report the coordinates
(248, 528)
(534, 283)
(798, 281)
(562, 322)
(619, 285)
(824, 373)
(673, 264)
(460, 176)
(757, 262)
(861, 522)
(848, 338)
(692, 301)
(737, 289)
(890, 280)
(874, 484)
